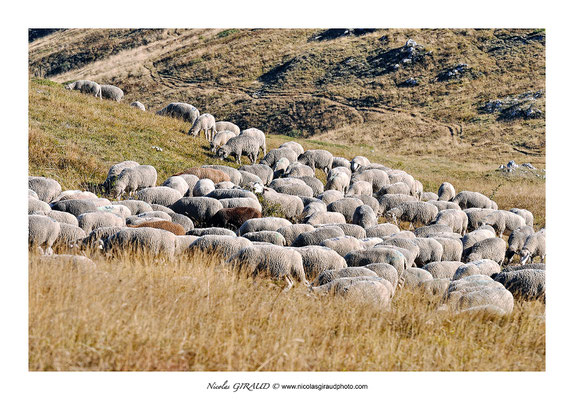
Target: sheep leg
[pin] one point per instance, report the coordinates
(289, 284)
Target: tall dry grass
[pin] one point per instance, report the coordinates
(147, 313)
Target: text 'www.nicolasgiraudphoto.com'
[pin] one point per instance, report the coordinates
(256, 386)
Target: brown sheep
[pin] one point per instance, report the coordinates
(207, 173)
(234, 217)
(172, 227)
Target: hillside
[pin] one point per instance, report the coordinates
(452, 92)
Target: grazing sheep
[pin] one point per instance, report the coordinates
(290, 232)
(183, 111)
(75, 207)
(274, 155)
(60, 216)
(248, 179)
(169, 226)
(467, 199)
(234, 217)
(479, 292)
(442, 269)
(238, 146)
(280, 167)
(241, 202)
(117, 209)
(359, 258)
(293, 186)
(457, 220)
(329, 196)
(352, 230)
(401, 176)
(476, 216)
(69, 235)
(115, 171)
(263, 224)
(491, 248)
(376, 177)
(226, 185)
(413, 212)
(315, 184)
(220, 139)
(225, 246)
(183, 221)
(177, 183)
(221, 126)
(525, 266)
(161, 195)
(112, 92)
(325, 217)
(409, 254)
(316, 236)
(452, 248)
(527, 215)
(133, 179)
(394, 188)
(527, 284)
(321, 159)
(298, 170)
(211, 232)
(446, 192)
(198, 209)
(147, 240)
(429, 250)
(429, 196)
(47, 189)
(291, 206)
(385, 271)
(414, 277)
(516, 241)
(264, 172)
(259, 136)
(272, 237)
(74, 195)
(329, 275)
(87, 87)
(417, 191)
(296, 147)
(339, 170)
(183, 242)
(444, 205)
(317, 259)
(364, 290)
(33, 194)
(275, 261)
(404, 235)
(432, 230)
(365, 217)
(230, 173)
(389, 201)
(313, 207)
(341, 162)
(345, 206)
(359, 188)
(359, 161)
(343, 244)
(99, 219)
(368, 201)
(42, 232)
(340, 182)
(535, 245)
(206, 123)
(37, 206)
(137, 104)
(476, 236)
(157, 207)
(435, 287)
(203, 187)
(503, 221)
(382, 230)
(210, 172)
(98, 236)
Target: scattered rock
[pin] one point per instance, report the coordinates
(410, 82)
(458, 71)
(523, 106)
(157, 148)
(525, 170)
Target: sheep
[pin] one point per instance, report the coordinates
(225, 185)
(478, 290)
(527, 284)
(315, 184)
(231, 174)
(345, 206)
(169, 226)
(324, 217)
(371, 291)
(211, 232)
(503, 221)
(263, 224)
(85, 86)
(442, 269)
(290, 232)
(359, 258)
(221, 194)
(74, 195)
(37, 206)
(241, 202)
(183, 242)
(452, 248)
(473, 237)
(525, 266)
(331, 274)
(161, 195)
(225, 246)
(272, 237)
(457, 220)
(402, 176)
(359, 161)
(360, 187)
(516, 241)
(280, 167)
(133, 179)
(183, 111)
(33, 194)
(137, 104)
(385, 271)
(432, 230)
(316, 236)
(198, 209)
(317, 259)
(368, 201)
(313, 207)
(340, 182)
(47, 189)
(275, 261)
(446, 192)
(535, 245)
(42, 232)
(429, 196)
(203, 187)
(435, 286)
(296, 147)
(264, 172)
(343, 244)
(98, 219)
(233, 217)
(177, 183)
(476, 216)
(238, 146)
(527, 215)
(248, 179)
(135, 220)
(182, 220)
(112, 92)
(388, 201)
(339, 170)
(297, 170)
(414, 277)
(404, 235)
(69, 236)
(166, 213)
(206, 123)
(75, 207)
(394, 188)
(365, 217)
(412, 212)
(351, 230)
(329, 196)
(341, 162)
(117, 209)
(479, 267)
(491, 248)
(154, 241)
(259, 136)
(60, 216)
(293, 186)
(221, 126)
(409, 254)
(376, 177)
(321, 159)
(429, 250)
(210, 172)
(273, 156)
(444, 205)
(467, 199)
(98, 236)
(115, 171)
(382, 230)
(290, 206)
(220, 139)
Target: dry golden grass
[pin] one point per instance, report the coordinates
(192, 314)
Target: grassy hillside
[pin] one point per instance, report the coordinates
(291, 82)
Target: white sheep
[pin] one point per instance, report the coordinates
(467, 199)
(112, 92)
(274, 155)
(42, 232)
(446, 192)
(365, 217)
(132, 179)
(296, 147)
(47, 189)
(178, 183)
(535, 245)
(161, 195)
(206, 123)
(321, 159)
(457, 220)
(183, 111)
(99, 219)
(198, 209)
(258, 135)
(221, 126)
(491, 248)
(220, 139)
(503, 221)
(412, 212)
(359, 161)
(239, 145)
(85, 86)
(137, 104)
(203, 187)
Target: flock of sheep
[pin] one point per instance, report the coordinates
(328, 237)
